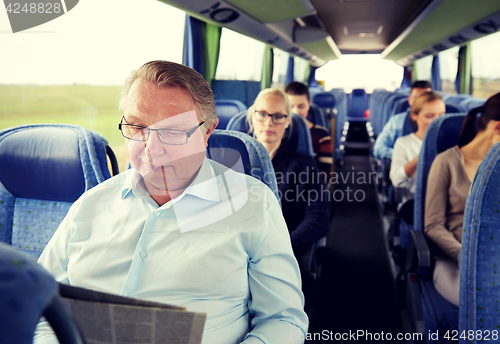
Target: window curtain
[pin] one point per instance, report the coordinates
(406, 82)
(311, 80)
(197, 36)
(414, 72)
(193, 44)
(211, 35)
(289, 70)
(267, 68)
(463, 83)
(436, 74)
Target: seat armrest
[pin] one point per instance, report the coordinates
(419, 255)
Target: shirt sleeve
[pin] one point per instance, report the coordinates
(399, 160)
(436, 203)
(385, 141)
(276, 300)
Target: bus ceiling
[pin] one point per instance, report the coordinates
(323, 30)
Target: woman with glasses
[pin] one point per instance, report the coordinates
(303, 193)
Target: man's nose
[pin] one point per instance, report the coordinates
(154, 146)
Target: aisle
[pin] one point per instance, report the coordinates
(357, 288)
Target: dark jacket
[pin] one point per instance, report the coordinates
(304, 197)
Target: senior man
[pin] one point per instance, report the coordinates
(179, 228)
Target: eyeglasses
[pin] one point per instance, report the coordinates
(277, 118)
(168, 136)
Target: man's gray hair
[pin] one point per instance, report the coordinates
(171, 74)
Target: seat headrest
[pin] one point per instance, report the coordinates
(358, 92)
(42, 163)
(324, 100)
(228, 150)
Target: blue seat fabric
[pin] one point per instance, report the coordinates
(480, 258)
(226, 109)
(45, 168)
(228, 147)
(441, 134)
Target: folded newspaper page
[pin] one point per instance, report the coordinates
(113, 319)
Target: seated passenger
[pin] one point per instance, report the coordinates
(393, 129)
(303, 195)
(179, 228)
(298, 93)
(427, 107)
(448, 186)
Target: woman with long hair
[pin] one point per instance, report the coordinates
(448, 186)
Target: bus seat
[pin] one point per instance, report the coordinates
(479, 290)
(242, 90)
(427, 307)
(471, 103)
(452, 108)
(45, 168)
(455, 99)
(28, 292)
(357, 105)
(299, 139)
(316, 116)
(341, 106)
(326, 102)
(226, 109)
(401, 105)
(254, 157)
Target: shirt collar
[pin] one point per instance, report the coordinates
(204, 185)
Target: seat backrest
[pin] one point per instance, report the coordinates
(452, 108)
(441, 134)
(471, 103)
(229, 147)
(243, 90)
(326, 102)
(226, 109)
(45, 168)
(455, 99)
(387, 107)
(316, 116)
(479, 281)
(358, 103)
(28, 292)
(297, 139)
(399, 106)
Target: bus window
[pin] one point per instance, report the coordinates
(300, 69)
(280, 69)
(67, 71)
(485, 66)
(249, 53)
(448, 65)
(361, 71)
(423, 69)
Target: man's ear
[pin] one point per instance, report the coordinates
(209, 132)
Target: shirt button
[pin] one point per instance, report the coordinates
(157, 213)
(143, 254)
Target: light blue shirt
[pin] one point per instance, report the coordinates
(392, 130)
(222, 247)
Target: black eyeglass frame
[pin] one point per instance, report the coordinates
(272, 115)
(188, 133)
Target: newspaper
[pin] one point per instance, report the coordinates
(113, 319)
